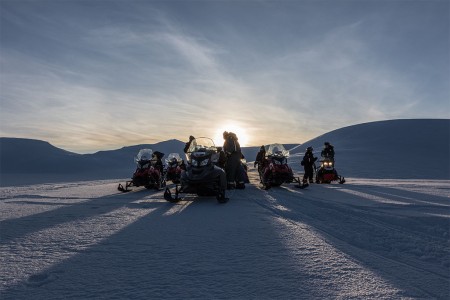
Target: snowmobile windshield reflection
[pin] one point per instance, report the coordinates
(277, 153)
(201, 152)
(143, 157)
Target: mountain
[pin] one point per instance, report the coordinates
(25, 161)
(410, 148)
(407, 148)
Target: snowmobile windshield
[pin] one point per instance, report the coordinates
(202, 144)
(144, 155)
(200, 147)
(276, 150)
(173, 157)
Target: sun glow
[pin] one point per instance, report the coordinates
(240, 132)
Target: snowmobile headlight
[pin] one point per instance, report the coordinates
(328, 164)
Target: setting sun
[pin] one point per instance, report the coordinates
(238, 130)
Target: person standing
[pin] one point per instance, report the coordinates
(308, 165)
(260, 156)
(232, 150)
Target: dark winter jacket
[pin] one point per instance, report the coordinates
(328, 152)
(308, 159)
(260, 156)
(231, 144)
(157, 156)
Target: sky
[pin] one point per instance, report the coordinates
(99, 75)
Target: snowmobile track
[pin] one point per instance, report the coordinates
(365, 255)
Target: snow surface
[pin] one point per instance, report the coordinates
(376, 239)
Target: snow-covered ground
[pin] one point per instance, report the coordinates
(367, 238)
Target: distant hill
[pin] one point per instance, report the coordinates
(416, 148)
(408, 148)
(24, 161)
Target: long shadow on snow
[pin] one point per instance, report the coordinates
(19, 227)
(199, 249)
(414, 211)
(402, 194)
(352, 228)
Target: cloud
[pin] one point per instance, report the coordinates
(151, 73)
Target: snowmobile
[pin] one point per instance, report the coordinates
(202, 176)
(327, 173)
(147, 174)
(174, 166)
(275, 170)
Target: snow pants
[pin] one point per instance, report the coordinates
(233, 168)
(309, 172)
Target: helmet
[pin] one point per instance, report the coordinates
(191, 138)
(326, 144)
(309, 149)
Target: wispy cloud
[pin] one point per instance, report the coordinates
(147, 72)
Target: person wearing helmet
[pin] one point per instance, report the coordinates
(308, 165)
(328, 151)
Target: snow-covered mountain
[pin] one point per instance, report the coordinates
(25, 161)
(409, 148)
(418, 148)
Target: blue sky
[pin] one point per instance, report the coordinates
(98, 75)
